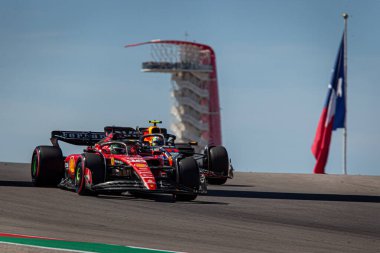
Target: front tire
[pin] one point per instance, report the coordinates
(219, 160)
(95, 164)
(80, 181)
(188, 176)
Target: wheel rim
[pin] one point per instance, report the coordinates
(34, 166)
(78, 175)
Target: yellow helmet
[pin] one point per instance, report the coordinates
(154, 130)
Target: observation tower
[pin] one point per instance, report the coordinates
(192, 67)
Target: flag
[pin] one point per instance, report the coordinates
(333, 113)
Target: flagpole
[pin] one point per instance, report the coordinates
(345, 17)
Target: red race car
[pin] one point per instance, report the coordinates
(112, 163)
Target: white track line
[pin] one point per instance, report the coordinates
(42, 247)
(155, 249)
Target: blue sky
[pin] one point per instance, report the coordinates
(63, 66)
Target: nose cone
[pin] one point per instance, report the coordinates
(143, 171)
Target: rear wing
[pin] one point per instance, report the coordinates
(81, 138)
(122, 132)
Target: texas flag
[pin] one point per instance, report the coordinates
(333, 113)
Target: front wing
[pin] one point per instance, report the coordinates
(119, 186)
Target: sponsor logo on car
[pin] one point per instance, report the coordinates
(72, 165)
(140, 165)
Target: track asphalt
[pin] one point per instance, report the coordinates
(254, 212)
(24, 243)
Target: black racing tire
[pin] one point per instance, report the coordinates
(218, 158)
(47, 167)
(79, 179)
(188, 173)
(188, 176)
(95, 164)
(217, 181)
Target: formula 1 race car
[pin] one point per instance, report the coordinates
(213, 162)
(112, 163)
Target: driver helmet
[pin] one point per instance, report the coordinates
(117, 149)
(154, 130)
(156, 141)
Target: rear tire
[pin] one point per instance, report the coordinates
(47, 167)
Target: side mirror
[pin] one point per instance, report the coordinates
(106, 150)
